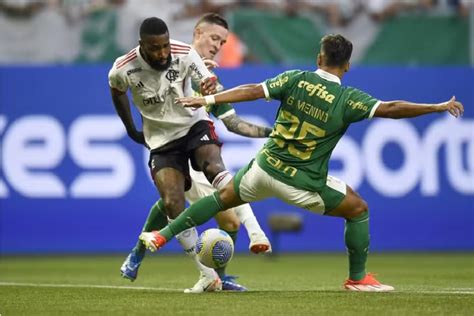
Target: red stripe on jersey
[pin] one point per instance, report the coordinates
(126, 61)
(180, 49)
(180, 46)
(131, 52)
(128, 56)
(175, 52)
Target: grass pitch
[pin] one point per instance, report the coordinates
(310, 284)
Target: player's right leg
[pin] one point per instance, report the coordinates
(226, 220)
(259, 242)
(172, 184)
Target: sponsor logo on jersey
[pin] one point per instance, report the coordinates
(279, 83)
(134, 70)
(317, 89)
(172, 75)
(152, 100)
(196, 70)
(357, 105)
(204, 138)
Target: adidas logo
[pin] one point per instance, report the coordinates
(140, 85)
(205, 137)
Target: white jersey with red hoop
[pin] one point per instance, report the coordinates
(154, 92)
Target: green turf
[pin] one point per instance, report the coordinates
(426, 284)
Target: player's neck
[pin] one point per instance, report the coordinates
(336, 71)
(198, 50)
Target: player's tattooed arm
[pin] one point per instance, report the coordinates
(237, 125)
(122, 106)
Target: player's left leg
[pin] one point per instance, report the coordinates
(156, 220)
(229, 222)
(344, 202)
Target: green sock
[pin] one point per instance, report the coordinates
(233, 235)
(356, 236)
(198, 213)
(156, 220)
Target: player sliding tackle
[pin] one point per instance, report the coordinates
(314, 113)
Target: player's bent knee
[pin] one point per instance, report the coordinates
(360, 208)
(173, 206)
(229, 197)
(230, 226)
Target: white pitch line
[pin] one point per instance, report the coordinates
(466, 291)
(97, 286)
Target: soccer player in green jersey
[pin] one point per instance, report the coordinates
(314, 113)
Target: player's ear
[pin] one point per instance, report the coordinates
(319, 60)
(347, 66)
(197, 32)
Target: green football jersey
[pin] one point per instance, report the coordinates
(314, 113)
(220, 111)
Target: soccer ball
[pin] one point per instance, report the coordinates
(214, 248)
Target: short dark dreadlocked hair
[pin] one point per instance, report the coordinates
(153, 26)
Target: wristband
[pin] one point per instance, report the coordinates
(210, 99)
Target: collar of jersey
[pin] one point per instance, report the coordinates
(328, 76)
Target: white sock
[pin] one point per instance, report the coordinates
(187, 239)
(247, 218)
(221, 179)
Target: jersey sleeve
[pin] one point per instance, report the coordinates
(277, 87)
(197, 70)
(117, 80)
(359, 105)
(221, 111)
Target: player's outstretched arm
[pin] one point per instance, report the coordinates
(237, 125)
(122, 106)
(247, 92)
(404, 109)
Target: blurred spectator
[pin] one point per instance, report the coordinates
(465, 7)
(99, 25)
(134, 12)
(33, 32)
(337, 12)
(57, 31)
(21, 8)
(380, 10)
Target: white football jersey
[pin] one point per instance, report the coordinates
(154, 92)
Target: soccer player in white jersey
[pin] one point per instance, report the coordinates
(134, 77)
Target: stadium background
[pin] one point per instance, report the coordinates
(72, 182)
